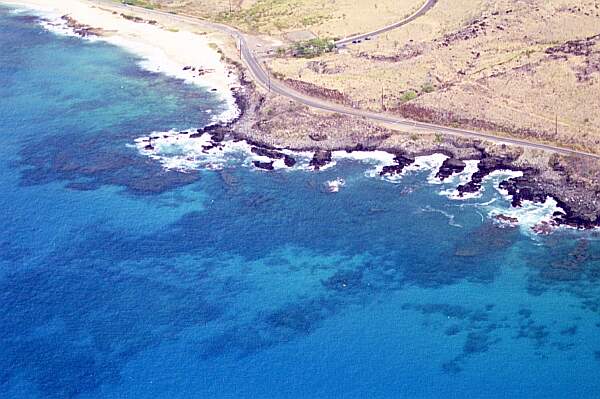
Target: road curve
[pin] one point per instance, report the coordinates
(421, 11)
(262, 77)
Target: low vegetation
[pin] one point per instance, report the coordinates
(312, 48)
(338, 18)
(427, 88)
(139, 3)
(408, 96)
(526, 69)
(519, 68)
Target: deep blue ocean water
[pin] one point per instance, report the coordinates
(121, 279)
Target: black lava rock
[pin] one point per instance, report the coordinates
(397, 168)
(450, 167)
(289, 161)
(320, 159)
(486, 166)
(263, 165)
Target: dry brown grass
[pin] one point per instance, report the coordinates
(498, 72)
(329, 18)
(479, 63)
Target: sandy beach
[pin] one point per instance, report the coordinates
(163, 48)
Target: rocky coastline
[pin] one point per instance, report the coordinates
(271, 124)
(80, 29)
(544, 175)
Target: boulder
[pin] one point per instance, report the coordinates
(402, 161)
(450, 167)
(320, 159)
(263, 165)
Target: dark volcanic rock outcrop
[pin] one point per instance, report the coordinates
(578, 206)
(274, 154)
(289, 161)
(486, 166)
(320, 159)
(575, 218)
(81, 29)
(574, 182)
(264, 152)
(524, 189)
(402, 161)
(450, 167)
(263, 165)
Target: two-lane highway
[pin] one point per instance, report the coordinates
(421, 11)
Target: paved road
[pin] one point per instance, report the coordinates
(259, 73)
(424, 8)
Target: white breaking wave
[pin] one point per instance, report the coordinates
(457, 179)
(495, 178)
(58, 26)
(432, 163)
(333, 186)
(155, 60)
(178, 150)
(529, 215)
(378, 159)
(451, 218)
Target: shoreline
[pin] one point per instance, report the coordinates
(187, 55)
(250, 118)
(543, 176)
(215, 149)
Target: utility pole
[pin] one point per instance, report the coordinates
(382, 104)
(230, 8)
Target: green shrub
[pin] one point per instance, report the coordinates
(427, 88)
(408, 96)
(313, 47)
(139, 3)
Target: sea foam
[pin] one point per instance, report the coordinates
(178, 150)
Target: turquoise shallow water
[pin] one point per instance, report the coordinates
(121, 279)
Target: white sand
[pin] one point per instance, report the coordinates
(162, 50)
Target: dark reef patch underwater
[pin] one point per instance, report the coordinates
(119, 278)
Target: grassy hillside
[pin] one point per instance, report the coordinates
(329, 18)
(529, 69)
(522, 68)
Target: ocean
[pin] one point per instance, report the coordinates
(134, 274)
